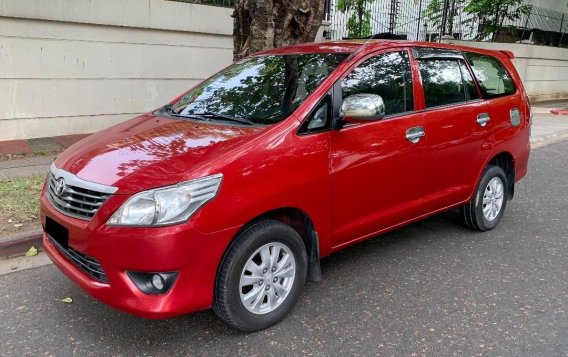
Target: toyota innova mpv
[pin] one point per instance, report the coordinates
(229, 196)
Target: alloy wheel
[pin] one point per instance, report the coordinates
(493, 198)
(267, 278)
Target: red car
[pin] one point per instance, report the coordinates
(229, 196)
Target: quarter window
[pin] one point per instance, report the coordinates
(387, 75)
(446, 82)
(319, 119)
(492, 76)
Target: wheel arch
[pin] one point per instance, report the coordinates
(506, 161)
(302, 224)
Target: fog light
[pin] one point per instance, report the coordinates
(158, 281)
(153, 283)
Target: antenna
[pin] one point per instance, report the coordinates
(361, 48)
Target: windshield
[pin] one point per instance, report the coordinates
(260, 90)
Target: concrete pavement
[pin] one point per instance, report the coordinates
(548, 128)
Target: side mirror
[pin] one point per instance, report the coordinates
(362, 108)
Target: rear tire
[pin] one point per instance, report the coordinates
(261, 276)
(487, 206)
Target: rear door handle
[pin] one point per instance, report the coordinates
(483, 118)
(415, 134)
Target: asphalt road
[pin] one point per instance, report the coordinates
(434, 288)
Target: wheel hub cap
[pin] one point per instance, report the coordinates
(493, 197)
(267, 278)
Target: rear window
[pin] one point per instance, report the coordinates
(492, 76)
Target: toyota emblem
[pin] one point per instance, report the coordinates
(60, 187)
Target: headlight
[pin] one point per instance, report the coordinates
(168, 205)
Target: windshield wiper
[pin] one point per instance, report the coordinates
(225, 117)
(169, 111)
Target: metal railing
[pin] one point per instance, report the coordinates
(407, 19)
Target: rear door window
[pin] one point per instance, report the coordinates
(492, 76)
(446, 82)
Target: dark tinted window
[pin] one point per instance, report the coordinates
(387, 75)
(492, 76)
(446, 81)
(263, 89)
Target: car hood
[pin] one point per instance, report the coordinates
(149, 151)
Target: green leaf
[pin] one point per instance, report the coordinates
(67, 300)
(31, 252)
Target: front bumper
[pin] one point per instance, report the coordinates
(195, 255)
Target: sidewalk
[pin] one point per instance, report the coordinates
(546, 129)
(33, 165)
(22, 158)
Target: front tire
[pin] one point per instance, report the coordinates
(486, 208)
(261, 277)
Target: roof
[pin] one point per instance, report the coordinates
(350, 46)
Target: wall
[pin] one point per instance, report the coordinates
(544, 70)
(78, 66)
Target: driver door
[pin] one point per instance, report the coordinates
(377, 172)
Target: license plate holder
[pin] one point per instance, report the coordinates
(57, 232)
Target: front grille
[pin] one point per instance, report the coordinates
(88, 265)
(75, 197)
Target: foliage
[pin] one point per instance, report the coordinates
(492, 14)
(359, 23)
(434, 12)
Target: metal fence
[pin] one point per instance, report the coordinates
(407, 19)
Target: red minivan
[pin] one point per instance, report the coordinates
(229, 196)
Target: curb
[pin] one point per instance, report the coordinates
(559, 111)
(19, 244)
(39, 145)
(550, 139)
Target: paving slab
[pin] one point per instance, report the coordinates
(44, 144)
(68, 140)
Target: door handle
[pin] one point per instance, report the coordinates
(415, 134)
(483, 118)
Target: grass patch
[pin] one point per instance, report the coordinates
(19, 204)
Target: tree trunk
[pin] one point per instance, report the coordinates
(265, 24)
